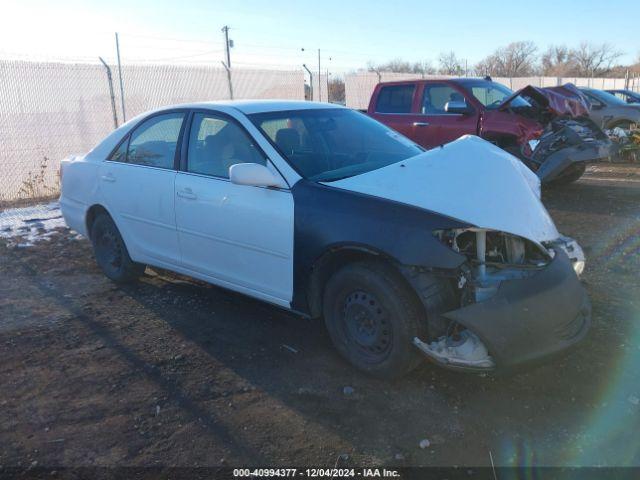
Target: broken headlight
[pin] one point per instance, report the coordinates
(575, 253)
(493, 258)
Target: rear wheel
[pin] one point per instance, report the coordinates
(111, 253)
(372, 318)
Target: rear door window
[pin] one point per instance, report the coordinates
(155, 141)
(395, 99)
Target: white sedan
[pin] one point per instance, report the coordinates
(319, 209)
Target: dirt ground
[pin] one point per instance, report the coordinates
(174, 372)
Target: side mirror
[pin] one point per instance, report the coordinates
(456, 106)
(252, 174)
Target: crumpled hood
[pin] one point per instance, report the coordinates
(470, 180)
(565, 100)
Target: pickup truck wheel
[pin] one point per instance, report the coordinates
(111, 253)
(572, 174)
(372, 318)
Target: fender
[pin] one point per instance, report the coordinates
(328, 218)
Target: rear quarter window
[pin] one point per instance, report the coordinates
(395, 99)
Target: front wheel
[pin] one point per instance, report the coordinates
(372, 318)
(111, 253)
(570, 175)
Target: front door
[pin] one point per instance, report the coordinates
(236, 236)
(435, 126)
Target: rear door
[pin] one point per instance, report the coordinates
(137, 187)
(434, 125)
(395, 106)
(236, 236)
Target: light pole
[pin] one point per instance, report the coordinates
(319, 76)
(310, 81)
(328, 99)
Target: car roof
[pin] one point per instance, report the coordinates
(258, 106)
(458, 80)
(622, 90)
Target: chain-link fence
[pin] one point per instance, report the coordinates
(49, 110)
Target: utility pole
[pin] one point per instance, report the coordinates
(319, 78)
(225, 30)
(124, 115)
(310, 80)
(328, 99)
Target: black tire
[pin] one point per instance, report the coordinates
(111, 253)
(372, 318)
(572, 174)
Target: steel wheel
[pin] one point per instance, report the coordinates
(366, 323)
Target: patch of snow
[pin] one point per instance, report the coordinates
(23, 227)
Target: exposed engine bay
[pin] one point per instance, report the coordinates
(493, 257)
(562, 132)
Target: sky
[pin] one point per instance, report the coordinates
(273, 33)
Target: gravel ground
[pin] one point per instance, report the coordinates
(174, 372)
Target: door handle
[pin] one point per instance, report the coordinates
(186, 193)
(108, 178)
(420, 124)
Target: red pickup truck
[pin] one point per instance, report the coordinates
(547, 128)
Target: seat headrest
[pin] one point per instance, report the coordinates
(288, 139)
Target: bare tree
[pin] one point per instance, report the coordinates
(336, 90)
(487, 66)
(450, 64)
(516, 59)
(594, 60)
(402, 66)
(556, 61)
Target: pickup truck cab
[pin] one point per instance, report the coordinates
(548, 129)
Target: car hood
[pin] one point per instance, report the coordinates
(470, 180)
(565, 100)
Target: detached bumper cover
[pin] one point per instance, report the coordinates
(556, 163)
(533, 318)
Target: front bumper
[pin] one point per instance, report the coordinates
(555, 164)
(530, 319)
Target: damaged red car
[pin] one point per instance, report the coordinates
(547, 128)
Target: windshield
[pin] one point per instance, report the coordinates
(606, 97)
(333, 143)
(492, 95)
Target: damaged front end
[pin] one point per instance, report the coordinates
(517, 301)
(569, 139)
(566, 146)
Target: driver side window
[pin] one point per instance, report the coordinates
(435, 98)
(216, 143)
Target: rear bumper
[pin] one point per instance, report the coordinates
(529, 320)
(556, 163)
(74, 214)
